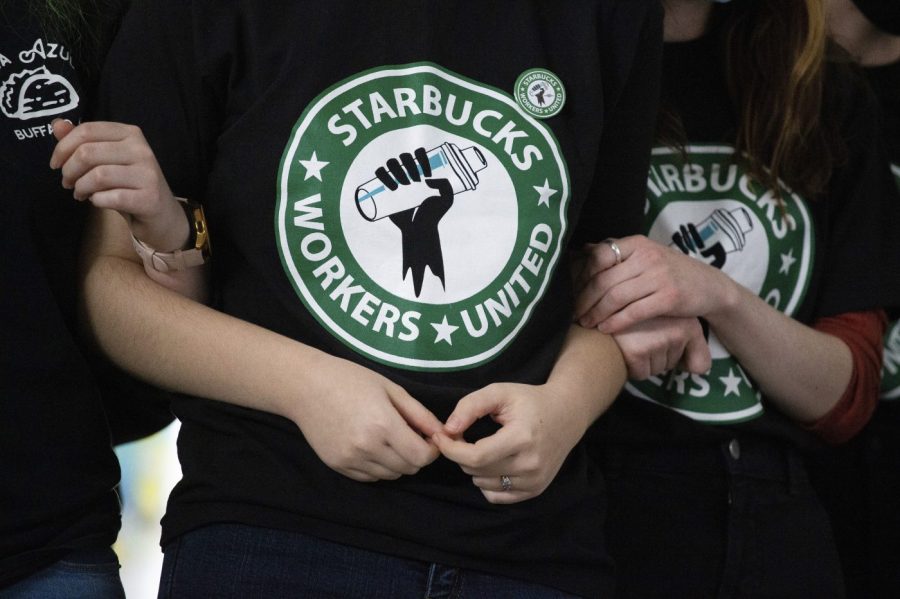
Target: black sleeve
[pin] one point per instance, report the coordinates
(615, 205)
(154, 78)
(134, 409)
(862, 258)
(150, 79)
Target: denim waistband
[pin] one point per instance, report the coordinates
(739, 456)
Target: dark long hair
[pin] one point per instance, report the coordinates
(775, 60)
(86, 27)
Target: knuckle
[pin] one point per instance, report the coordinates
(594, 288)
(477, 461)
(420, 460)
(615, 295)
(641, 371)
(84, 153)
(339, 460)
(143, 153)
(409, 469)
(358, 444)
(101, 176)
(82, 132)
(531, 464)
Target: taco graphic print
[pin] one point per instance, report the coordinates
(710, 209)
(420, 215)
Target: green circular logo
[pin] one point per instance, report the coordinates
(710, 209)
(540, 92)
(420, 215)
(890, 366)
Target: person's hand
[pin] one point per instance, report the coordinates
(660, 344)
(112, 166)
(535, 437)
(364, 426)
(651, 280)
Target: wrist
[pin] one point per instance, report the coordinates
(728, 300)
(573, 404)
(169, 231)
(194, 251)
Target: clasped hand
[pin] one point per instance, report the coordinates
(649, 299)
(112, 166)
(366, 427)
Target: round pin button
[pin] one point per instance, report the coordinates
(734, 448)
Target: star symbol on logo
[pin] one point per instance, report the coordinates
(787, 261)
(313, 167)
(545, 191)
(444, 331)
(732, 383)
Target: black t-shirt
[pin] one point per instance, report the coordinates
(821, 257)
(885, 81)
(535, 122)
(59, 471)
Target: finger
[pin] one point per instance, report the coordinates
(484, 457)
(396, 170)
(617, 296)
(409, 452)
(90, 132)
(391, 460)
(412, 169)
(375, 471)
(357, 475)
(696, 358)
(506, 497)
(638, 366)
(598, 286)
(495, 483)
(658, 360)
(61, 128)
(599, 257)
(674, 352)
(415, 414)
(405, 436)
(113, 176)
(424, 162)
(496, 468)
(478, 404)
(634, 313)
(90, 155)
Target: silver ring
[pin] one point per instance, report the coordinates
(505, 483)
(615, 248)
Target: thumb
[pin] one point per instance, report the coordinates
(696, 358)
(416, 415)
(473, 406)
(61, 128)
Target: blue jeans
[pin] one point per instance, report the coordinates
(82, 574)
(243, 562)
(735, 520)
